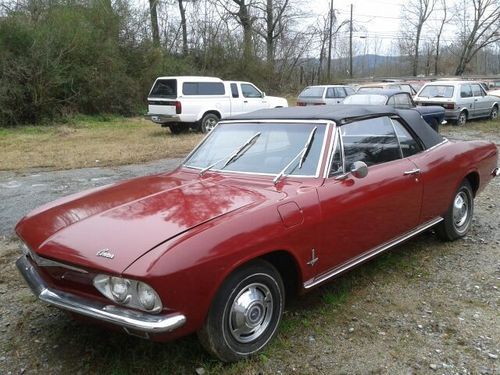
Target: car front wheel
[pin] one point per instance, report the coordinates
(458, 218)
(245, 313)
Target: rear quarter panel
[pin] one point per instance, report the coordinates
(444, 167)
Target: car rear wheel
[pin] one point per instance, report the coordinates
(494, 113)
(462, 118)
(208, 122)
(245, 313)
(458, 218)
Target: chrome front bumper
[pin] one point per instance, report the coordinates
(130, 320)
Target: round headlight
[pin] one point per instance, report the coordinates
(147, 296)
(119, 289)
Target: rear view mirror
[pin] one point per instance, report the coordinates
(359, 169)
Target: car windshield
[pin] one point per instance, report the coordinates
(366, 99)
(312, 92)
(437, 91)
(273, 149)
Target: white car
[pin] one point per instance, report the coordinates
(324, 95)
(462, 100)
(186, 102)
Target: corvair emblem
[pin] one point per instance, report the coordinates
(105, 253)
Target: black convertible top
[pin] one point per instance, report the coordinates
(343, 114)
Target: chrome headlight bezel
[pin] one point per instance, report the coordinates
(130, 296)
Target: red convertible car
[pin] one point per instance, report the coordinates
(270, 204)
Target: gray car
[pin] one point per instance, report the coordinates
(462, 100)
(324, 94)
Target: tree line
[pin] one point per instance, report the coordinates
(63, 57)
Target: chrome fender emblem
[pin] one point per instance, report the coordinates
(105, 253)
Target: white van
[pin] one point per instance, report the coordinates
(200, 102)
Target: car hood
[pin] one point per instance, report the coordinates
(128, 219)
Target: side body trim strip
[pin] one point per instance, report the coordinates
(369, 254)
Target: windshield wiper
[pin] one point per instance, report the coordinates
(303, 155)
(235, 155)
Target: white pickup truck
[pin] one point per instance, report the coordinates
(199, 103)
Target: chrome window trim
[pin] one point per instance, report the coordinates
(397, 138)
(336, 139)
(328, 124)
(445, 140)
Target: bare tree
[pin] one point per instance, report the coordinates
(153, 11)
(444, 21)
(416, 13)
(182, 11)
(275, 24)
(243, 16)
(481, 32)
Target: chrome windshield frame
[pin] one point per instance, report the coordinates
(329, 124)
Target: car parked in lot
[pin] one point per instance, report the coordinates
(403, 86)
(323, 94)
(434, 115)
(270, 204)
(462, 100)
(199, 103)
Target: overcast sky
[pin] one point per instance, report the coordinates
(378, 19)
(374, 20)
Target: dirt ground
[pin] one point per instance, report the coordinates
(426, 307)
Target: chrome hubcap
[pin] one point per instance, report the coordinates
(251, 313)
(210, 124)
(494, 114)
(460, 210)
(461, 119)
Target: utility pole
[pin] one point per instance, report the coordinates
(350, 46)
(330, 42)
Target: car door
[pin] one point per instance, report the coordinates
(482, 105)
(466, 100)
(334, 95)
(402, 101)
(236, 99)
(358, 215)
(252, 98)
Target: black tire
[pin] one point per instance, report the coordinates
(494, 113)
(178, 128)
(458, 218)
(462, 118)
(208, 122)
(259, 286)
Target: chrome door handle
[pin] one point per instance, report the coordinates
(413, 171)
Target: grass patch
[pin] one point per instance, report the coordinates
(487, 126)
(89, 142)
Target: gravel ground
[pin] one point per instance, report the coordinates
(22, 192)
(425, 307)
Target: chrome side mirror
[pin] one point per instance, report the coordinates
(263, 94)
(359, 169)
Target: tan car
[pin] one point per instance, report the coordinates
(403, 86)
